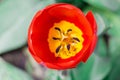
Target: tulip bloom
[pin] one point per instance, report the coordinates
(60, 36)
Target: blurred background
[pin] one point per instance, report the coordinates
(17, 64)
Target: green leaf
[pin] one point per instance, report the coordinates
(96, 68)
(9, 72)
(78, 3)
(32, 67)
(113, 5)
(101, 48)
(82, 71)
(114, 47)
(100, 23)
(115, 72)
(15, 18)
(52, 74)
(100, 69)
(66, 1)
(114, 21)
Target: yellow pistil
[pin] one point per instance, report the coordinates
(65, 39)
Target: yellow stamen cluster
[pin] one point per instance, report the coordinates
(65, 39)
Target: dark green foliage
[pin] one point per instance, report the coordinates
(79, 3)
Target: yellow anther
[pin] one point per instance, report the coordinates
(65, 39)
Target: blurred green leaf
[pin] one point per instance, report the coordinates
(15, 18)
(114, 21)
(66, 1)
(32, 67)
(100, 24)
(101, 48)
(113, 5)
(9, 72)
(114, 48)
(96, 68)
(52, 74)
(83, 70)
(100, 69)
(115, 72)
(78, 3)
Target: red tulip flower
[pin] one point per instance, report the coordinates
(60, 36)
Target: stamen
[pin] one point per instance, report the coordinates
(54, 38)
(65, 39)
(76, 39)
(58, 48)
(69, 30)
(57, 29)
(74, 49)
(68, 47)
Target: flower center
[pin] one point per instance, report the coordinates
(65, 39)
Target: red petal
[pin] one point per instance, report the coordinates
(37, 37)
(61, 66)
(75, 15)
(92, 21)
(91, 49)
(72, 14)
